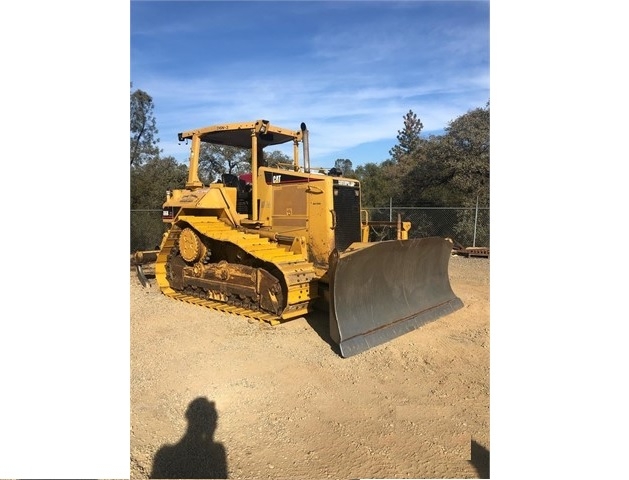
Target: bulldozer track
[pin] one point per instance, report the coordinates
(298, 273)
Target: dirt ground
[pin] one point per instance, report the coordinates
(215, 395)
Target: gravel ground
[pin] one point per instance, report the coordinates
(222, 396)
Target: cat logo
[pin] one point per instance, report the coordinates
(277, 178)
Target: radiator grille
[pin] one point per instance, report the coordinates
(347, 210)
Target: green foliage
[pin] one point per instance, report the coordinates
(445, 170)
(147, 229)
(451, 169)
(149, 183)
(376, 190)
(405, 156)
(408, 138)
(215, 160)
(345, 166)
(472, 227)
(466, 152)
(424, 178)
(276, 157)
(143, 129)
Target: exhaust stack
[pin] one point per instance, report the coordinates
(304, 132)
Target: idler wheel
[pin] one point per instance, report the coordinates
(190, 246)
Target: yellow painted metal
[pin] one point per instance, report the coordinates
(235, 134)
(297, 220)
(296, 154)
(193, 171)
(292, 215)
(254, 168)
(190, 246)
(298, 273)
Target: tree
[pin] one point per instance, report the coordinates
(467, 148)
(426, 180)
(215, 160)
(149, 183)
(276, 157)
(375, 188)
(143, 129)
(344, 165)
(467, 152)
(408, 138)
(405, 156)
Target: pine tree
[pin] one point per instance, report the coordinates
(143, 129)
(408, 137)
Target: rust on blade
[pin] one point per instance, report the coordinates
(384, 290)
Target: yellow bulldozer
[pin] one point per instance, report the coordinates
(274, 244)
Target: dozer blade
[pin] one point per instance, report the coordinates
(383, 290)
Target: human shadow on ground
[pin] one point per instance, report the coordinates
(480, 459)
(196, 455)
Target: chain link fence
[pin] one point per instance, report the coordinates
(466, 226)
(147, 229)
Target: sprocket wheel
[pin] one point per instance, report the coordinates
(191, 247)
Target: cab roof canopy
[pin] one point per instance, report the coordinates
(239, 134)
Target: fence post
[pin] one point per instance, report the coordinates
(475, 222)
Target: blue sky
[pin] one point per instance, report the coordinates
(558, 99)
(350, 70)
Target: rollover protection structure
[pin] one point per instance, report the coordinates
(271, 245)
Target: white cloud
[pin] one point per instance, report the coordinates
(351, 85)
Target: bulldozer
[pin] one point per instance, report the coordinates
(283, 240)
